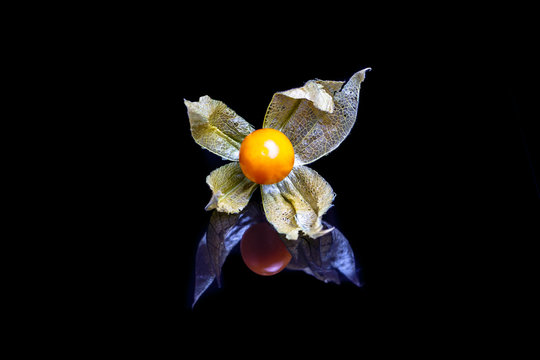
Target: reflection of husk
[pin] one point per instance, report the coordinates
(322, 258)
(224, 232)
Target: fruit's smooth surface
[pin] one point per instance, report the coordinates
(263, 251)
(266, 156)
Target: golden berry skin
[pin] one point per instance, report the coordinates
(266, 156)
(263, 251)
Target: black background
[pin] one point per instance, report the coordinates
(435, 183)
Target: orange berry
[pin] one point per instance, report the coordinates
(266, 156)
(263, 251)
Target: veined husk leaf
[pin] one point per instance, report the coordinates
(316, 117)
(216, 127)
(298, 202)
(231, 189)
(324, 257)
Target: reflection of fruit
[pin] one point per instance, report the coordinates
(263, 251)
(266, 156)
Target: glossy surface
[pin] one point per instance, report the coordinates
(263, 251)
(266, 156)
